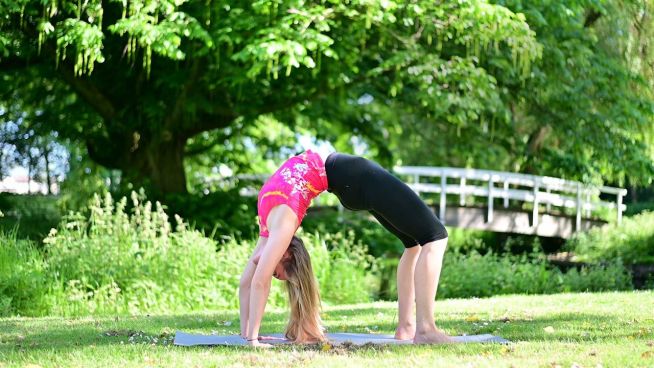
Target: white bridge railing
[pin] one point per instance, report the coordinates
(539, 190)
(497, 185)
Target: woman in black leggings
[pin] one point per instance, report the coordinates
(359, 184)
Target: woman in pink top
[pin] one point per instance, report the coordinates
(359, 184)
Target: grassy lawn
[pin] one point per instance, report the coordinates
(566, 330)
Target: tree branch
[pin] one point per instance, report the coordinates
(100, 158)
(318, 93)
(176, 111)
(89, 93)
(202, 148)
(207, 122)
(219, 117)
(591, 18)
(84, 88)
(112, 151)
(11, 64)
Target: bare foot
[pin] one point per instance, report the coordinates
(432, 337)
(257, 344)
(405, 332)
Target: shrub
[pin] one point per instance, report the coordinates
(475, 275)
(22, 281)
(346, 273)
(484, 275)
(361, 227)
(223, 211)
(30, 216)
(120, 261)
(117, 262)
(639, 207)
(632, 241)
(364, 229)
(467, 240)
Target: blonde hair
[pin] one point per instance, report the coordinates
(304, 324)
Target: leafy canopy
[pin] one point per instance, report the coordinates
(144, 84)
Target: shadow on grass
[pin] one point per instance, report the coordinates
(70, 334)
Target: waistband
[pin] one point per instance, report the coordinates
(330, 163)
(344, 171)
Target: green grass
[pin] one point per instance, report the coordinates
(590, 330)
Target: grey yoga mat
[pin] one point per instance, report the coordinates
(186, 339)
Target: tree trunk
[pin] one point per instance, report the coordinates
(534, 145)
(2, 174)
(29, 175)
(155, 162)
(165, 166)
(48, 178)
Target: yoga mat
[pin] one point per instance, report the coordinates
(186, 339)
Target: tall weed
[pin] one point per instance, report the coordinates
(346, 272)
(23, 284)
(120, 261)
(117, 261)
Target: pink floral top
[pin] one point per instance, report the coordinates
(299, 180)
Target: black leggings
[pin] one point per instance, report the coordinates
(361, 184)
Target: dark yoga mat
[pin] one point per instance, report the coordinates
(186, 339)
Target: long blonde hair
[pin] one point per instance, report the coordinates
(304, 324)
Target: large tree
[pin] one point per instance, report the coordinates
(586, 112)
(137, 80)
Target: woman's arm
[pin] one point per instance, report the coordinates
(244, 286)
(282, 223)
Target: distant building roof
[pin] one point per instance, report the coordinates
(20, 184)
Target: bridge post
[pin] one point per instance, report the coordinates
(490, 198)
(549, 205)
(506, 194)
(587, 204)
(578, 219)
(620, 207)
(462, 195)
(534, 215)
(443, 196)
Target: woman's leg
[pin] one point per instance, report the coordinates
(375, 189)
(427, 274)
(406, 327)
(403, 209)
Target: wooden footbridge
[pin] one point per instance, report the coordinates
(507, 202)
(514, 203)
